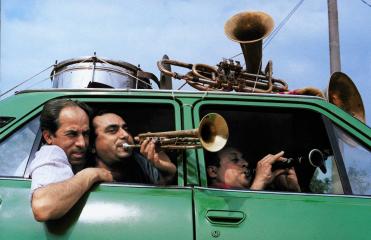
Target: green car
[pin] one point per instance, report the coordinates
(329, 147)
(333, 204)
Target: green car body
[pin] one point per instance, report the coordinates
(189, 209)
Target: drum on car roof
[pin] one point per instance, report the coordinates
(92, 71)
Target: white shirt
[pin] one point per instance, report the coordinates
(49, 166)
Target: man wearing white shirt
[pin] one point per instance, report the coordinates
(59, 179)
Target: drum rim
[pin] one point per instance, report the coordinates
(85, 59)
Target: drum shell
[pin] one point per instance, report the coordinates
(79, 72)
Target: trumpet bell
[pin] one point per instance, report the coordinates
(343, 93)
(213, 132)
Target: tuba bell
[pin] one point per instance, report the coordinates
(249, 29)
(343, 93)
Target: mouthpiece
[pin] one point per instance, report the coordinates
(129, 147)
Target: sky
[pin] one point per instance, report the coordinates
(34, 34)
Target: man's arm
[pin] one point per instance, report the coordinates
(56, 199)
(159, 160)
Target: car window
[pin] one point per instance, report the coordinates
(301, 133)
(144, 118)
(357, 161)
(328, 181)
(15, 149)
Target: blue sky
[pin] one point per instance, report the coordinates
(36, 33)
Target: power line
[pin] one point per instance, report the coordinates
(368, 4)
(282, 23)
(3, 94)
(276, 30)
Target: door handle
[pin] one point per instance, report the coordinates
(225, 217)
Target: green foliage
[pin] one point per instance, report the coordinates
(320, 185)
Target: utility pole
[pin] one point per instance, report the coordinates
(335, 65)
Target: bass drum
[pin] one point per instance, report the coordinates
(97, 72)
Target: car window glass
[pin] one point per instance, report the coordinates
(357, 161)
(326, 182)
(257, 132)
(15, 150)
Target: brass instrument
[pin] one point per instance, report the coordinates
(249, 29)
(212, 134)
(343, 93)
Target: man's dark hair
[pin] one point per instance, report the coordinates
(49, 119)
(212, 159)
(99, 112)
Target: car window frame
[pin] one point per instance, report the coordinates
(324, 113)
(36, 140)
(16, 125)
(147, 100)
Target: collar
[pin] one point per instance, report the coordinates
(223, 185)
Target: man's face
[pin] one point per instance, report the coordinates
(233, 170)
(72, 135)
(111, 133)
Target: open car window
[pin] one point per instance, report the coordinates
(301, 133)
(17, 150)
(143, 118)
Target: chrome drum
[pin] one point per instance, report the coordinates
(97, 72)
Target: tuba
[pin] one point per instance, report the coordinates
(341, 92)
(249, 29)
(212, 134)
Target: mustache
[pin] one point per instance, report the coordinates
(79, 150)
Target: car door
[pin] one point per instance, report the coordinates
(333, 212)
(109, 210)
(232, 214)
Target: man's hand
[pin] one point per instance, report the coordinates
(97, 174)
(288, 181)
(158, 158)
(263, 174)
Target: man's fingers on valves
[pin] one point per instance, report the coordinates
(279, 172)
(275, 158)
(151, 150)
(143, 147)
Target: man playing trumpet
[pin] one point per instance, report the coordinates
(229, 170)
(151, 166)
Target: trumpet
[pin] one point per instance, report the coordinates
(212, 134)
(315, 157)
